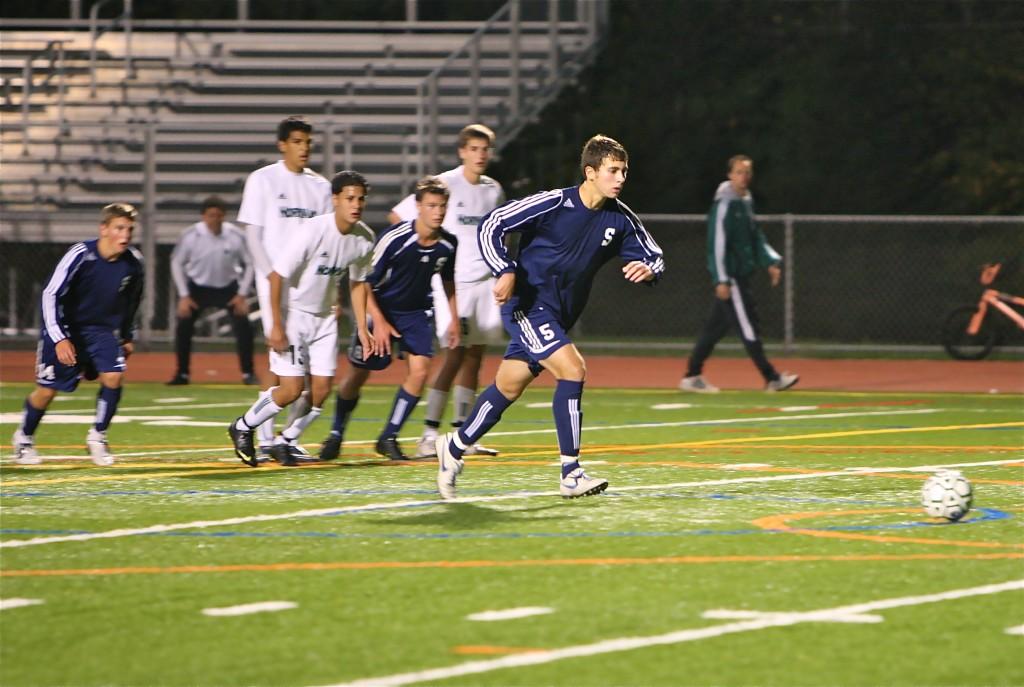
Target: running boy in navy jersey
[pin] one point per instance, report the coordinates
(88, 309)
(566, 236)
(405, 259)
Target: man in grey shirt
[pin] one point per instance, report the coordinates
(212, 269)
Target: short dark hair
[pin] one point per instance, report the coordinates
(213, 202)
(430, 185)
(597, 149)
(475, 131)
(734, 159)
(113, 210)
(293, 123)
(348, 177)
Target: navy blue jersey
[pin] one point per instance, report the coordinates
(402, 268)
(563, 244)
(86, 292)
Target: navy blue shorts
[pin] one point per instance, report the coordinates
(97, 351)
(536, 335)
(417, 330)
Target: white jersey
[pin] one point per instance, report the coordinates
(279, 200)
(467, 205)
(316, 258)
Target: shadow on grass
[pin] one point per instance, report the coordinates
(470, 516)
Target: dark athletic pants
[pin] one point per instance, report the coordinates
(738, 314)
(208, 297)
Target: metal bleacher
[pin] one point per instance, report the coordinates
(163, 113)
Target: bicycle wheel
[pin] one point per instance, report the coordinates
(961, 345)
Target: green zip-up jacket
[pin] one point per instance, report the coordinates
(736, 245)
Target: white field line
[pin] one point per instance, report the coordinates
(510, 613)
(6, 604)
(632, 643)
(389, 505)
(1018, 630)
(247, 609)
(724, 614)
(647, 425)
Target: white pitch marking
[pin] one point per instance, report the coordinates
(545, 404)
(793, 409)
(246, 609)
(1019, 630)
(183, 423)
(723, 614)
(632, 643)
(6, 604)
(510, 613)
(671, 406)
(174, 399)
(82, 419)
(388, 505)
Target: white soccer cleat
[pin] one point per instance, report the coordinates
(99, 451)
(698, 385)
(478, 450)
(425, 447)
(785, 380)
(448, 467)
(24, 449)
(577, 484)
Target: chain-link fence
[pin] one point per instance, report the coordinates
(851, 282)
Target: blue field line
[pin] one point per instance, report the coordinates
(987, 515)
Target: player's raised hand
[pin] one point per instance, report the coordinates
(637, 272)
(503, 287)
(66, 352)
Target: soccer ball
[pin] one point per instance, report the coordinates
(947, 494)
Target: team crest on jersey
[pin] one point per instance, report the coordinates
(470, 220)
(302, 213)
(125, 281)
(329, 270)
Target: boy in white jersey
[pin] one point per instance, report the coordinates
(277, 200)
(473, 195)
(306, 273)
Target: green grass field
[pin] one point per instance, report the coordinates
(741, 542)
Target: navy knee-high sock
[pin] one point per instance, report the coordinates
(342, 411)
(490, 405)
(106, 405)
(30, 419)
(401, 409)
(566, 407)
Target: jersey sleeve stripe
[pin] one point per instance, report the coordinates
(645, 239)
(388, 237)
(511, 216)
(56, 287)
(720, 212)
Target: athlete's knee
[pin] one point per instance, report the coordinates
(112, 380)
(289, 389)
(41, 397)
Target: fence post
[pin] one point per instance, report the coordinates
(129, 67)
(149, 231)
(421, 126)
(513, 55)
(61, 88)
(410, 10)
(26, 96)
(552, 41)
(12, 299)
(243, 12)
(435, 116)
(348, 146)
(474, 80)
(328, 167)
(790, 258)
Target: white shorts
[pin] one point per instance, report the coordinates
(263, 297)
(313, 346)
(479, 313)
(442, 313)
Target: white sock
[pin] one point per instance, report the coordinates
(299, 407)
(293, 431)
(262, 410)
(464, 398)
(265, 432)
(436, 401)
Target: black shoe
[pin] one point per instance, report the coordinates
(178, 380)
(242, 440)
(388, 447)
(331, 448)
(248, 379)
(283, 454)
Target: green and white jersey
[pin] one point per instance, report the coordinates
(736, 245)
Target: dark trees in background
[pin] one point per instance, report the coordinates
(846, 107)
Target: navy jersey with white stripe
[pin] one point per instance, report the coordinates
(86, 291)
(402, 267)
(563, 244)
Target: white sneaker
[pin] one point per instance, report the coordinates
(448, 467)
(425, 447)
(24, 449)
(478, 450)
(98, 449)
(697, 384)
(577, 484)
(784, 381)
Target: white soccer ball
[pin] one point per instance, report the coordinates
(947, 494)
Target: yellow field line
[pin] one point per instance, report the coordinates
(412, 565)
